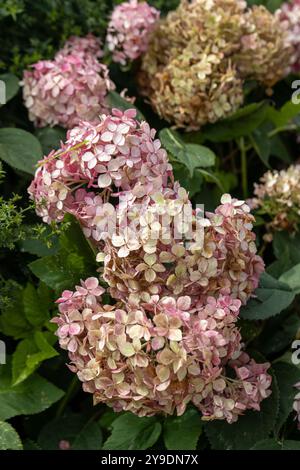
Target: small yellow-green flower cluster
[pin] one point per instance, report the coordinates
(199, 55)
(278, 196)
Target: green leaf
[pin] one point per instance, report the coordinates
(129, 432)
(172, 141)
(287, 251)
(292, 278)
(190, 155)
(75, 429)
(262, 143)
(116, 101)
(89, 438)
(20, 149)
(287, 246)
(32, 396)
(287, 376)
(270, 444)
(50, 138)
(38, 248)
(11, 85)
(182, 432)
(36, 310)
(278, 266)
(9, 438)
(192, 185)
(278, 333)
(74, 260)
(20, 371)
(196, 156)
(272, 296)
(240, 124)
(250, 428)
(279, 149)
(30, 353)
(285, 115)
(107, 418)
(54, 273)
(13, 321)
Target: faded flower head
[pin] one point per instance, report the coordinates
(289, 16)
(70, 88)
(278, 197)
(178, 278)
(129, 29)
(265, 53)
(160, 356)
(200, 54)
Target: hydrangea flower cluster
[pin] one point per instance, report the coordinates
(207, 256)
(129, 30)
(118, 152)
(178, 278)
(265, 53)
(289, 15)
(296, 405)
(158, 357)
(85, 47)
(70, 88)
(278, 196)
(199, 55)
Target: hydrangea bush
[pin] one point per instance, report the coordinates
(149, 225)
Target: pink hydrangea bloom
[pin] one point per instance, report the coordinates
(150, 358)
(129, 30)
(70, 88)
(289, 14)
(85, 47)
(117, 156)
(296, 405)
(178, 286)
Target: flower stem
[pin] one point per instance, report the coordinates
(74, 385)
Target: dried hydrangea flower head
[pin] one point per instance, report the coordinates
(191, 71)
(116, 156)
(278, 197)
(171, 335)
(158, 357)
(289, 15)
(129, 29)
(70, 88)
(265, 53)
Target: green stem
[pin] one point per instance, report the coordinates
(291, 127)
(244, 167)
(74, 385)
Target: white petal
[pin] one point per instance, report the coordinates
(104, 180)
